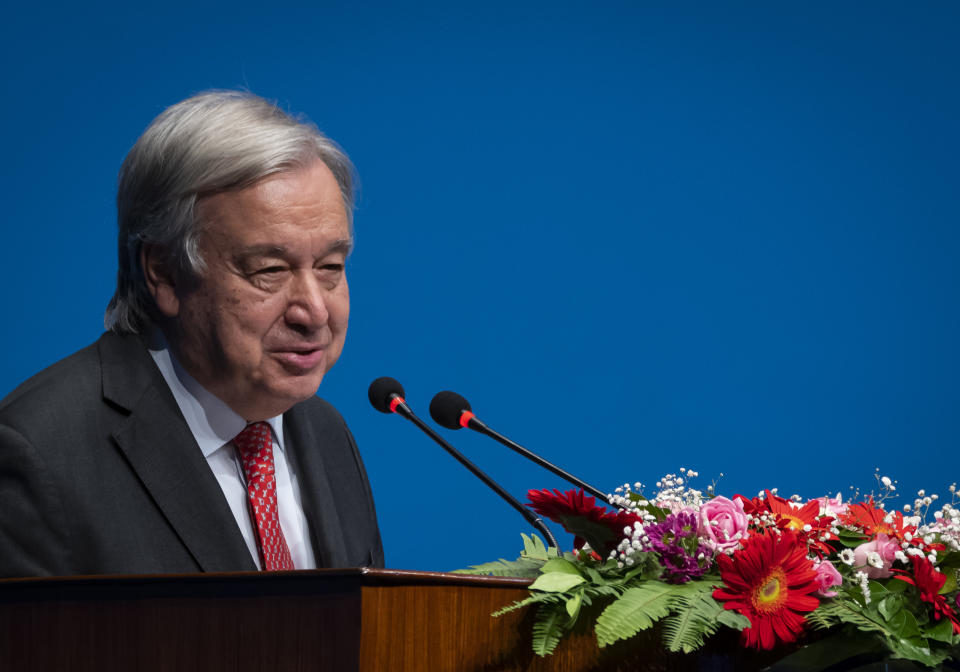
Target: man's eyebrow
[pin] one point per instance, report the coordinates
(341, 245)
(262, 251)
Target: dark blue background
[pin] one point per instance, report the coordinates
(719, 235)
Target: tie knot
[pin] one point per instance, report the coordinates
(253, 439)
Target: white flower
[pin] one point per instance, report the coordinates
(886, 481)
(874, 560)
(847, 556)
(863, 579)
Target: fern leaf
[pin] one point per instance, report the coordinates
(548, 628)
(696, 620)
(828, 614)
(636, 610)
(522, 567)
(533, 599)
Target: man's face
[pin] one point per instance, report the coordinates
(267, 317)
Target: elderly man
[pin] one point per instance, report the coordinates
(188, 437)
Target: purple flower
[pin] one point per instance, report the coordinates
(675, 541)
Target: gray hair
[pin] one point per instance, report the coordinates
(212, 142)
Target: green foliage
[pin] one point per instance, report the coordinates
(536, 598)
(572, 589)
(560, 565)
(637, 609)
(695, 619)
(949, 564)
(527, 566)
(918, 649)
(556, 582)
(888, 615)
(521, 567)
(942, 632)
(548, 628)
(850, 539)
(535, 549)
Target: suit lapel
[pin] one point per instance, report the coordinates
(160, 447)
(301, 441)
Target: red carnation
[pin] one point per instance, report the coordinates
(929, 582)
(581, 517)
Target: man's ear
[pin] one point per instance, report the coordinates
(160, 280)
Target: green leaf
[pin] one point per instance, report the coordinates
(521, 567)
(949, 559)
(850, 539)
(877, 591)
(842, 611)
(733, 620)
(548, 628)
(573, 606)
(594, 576)
(917, 649)
(696, 620)
(560, 565)
(636, 610)
(896, 585)
(904, 624)
(556, 582)
(889, 606)
(533, 547)
(533, 599)
(941, 632)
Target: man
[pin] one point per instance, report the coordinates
(188, 437)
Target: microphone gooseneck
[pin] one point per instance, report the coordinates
(451, 410)
(386, 395)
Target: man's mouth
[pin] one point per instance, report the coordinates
(300, 359)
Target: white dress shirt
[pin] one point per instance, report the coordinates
(214, 425)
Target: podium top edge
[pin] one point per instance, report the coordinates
(364, 576)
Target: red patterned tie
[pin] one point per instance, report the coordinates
(256, 454)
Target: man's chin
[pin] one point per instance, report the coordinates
(276, 400)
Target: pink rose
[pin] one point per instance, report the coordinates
(827, 578)
(723, 523)
(832, 506)
(885, 548)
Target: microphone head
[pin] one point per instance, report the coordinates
(382, 391)
(446, 409)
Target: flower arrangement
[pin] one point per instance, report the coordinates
(773, 568)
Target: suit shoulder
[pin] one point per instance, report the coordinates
(317, 409)
(75, 376)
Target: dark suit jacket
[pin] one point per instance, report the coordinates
(100, 474)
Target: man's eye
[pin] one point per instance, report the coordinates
(270, 270)
(336, 268)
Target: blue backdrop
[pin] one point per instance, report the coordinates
(638, 236)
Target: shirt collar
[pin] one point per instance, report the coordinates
(212, 423)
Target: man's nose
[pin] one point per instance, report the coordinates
(307, 303)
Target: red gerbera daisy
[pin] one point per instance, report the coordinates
(790, 518)
(581, 517)
(770, 581)
(872, 520)
(929, 582)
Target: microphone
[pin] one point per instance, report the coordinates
(386, 395)
(450, 410)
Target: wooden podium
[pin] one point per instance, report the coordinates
(366, 620)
